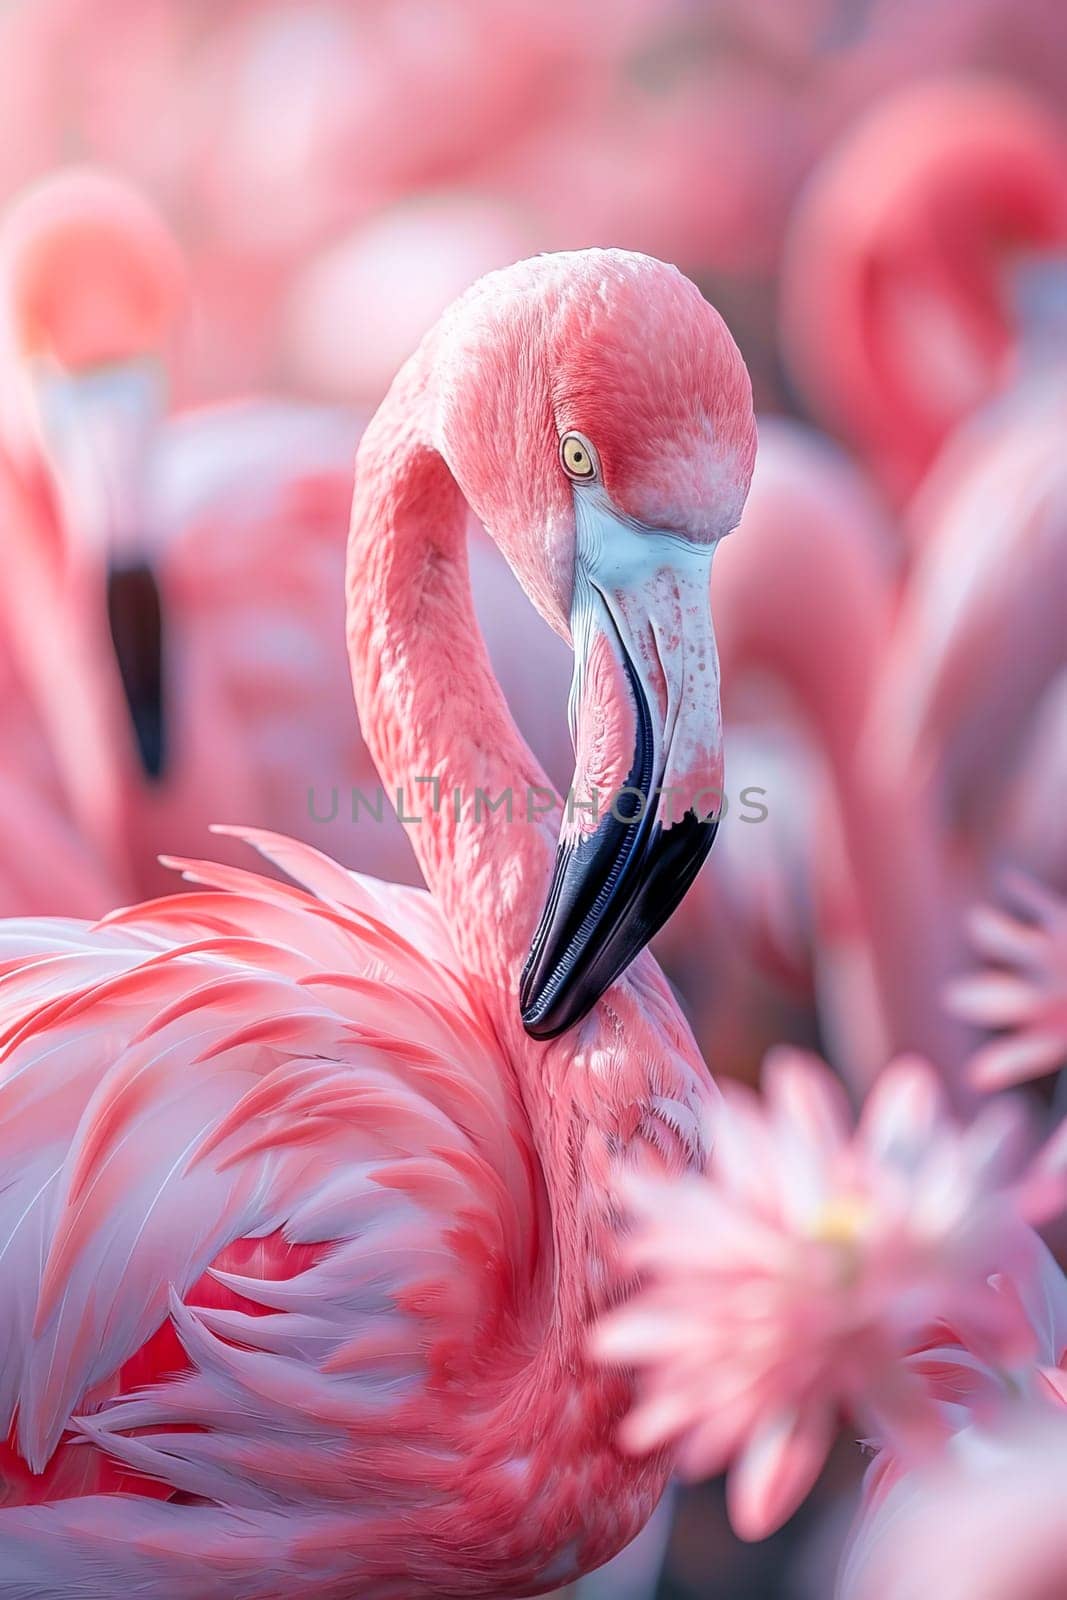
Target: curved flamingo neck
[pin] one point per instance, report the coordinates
(433, 716)
(883, 889)
(630, 1074)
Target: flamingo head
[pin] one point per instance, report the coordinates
(918, 254)
(598, 416)
(92, 286)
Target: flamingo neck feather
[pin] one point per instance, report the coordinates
(629, 1075)
(433, 716)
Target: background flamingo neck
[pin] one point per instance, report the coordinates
(889, 837)
(433, 716)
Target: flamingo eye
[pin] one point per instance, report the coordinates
(577, 456)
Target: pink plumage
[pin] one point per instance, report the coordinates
(303, 1231)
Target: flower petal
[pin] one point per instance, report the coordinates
(1016, 1059)
(780, 1463)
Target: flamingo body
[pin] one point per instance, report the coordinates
(308, 1215)
(313, 1290)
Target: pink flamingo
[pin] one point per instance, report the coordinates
(988, 532)
(805, 600)
(304, 1212)
(46, 867)
(187, 568)
(230, 521)
(903, 245)
(990, 574)
(126, 301)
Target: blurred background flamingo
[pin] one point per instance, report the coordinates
(170, 578)
(812, 527)
(174, 604)
(904, 276)
(47, 865)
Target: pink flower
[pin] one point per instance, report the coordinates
(971, 1384)
(792, 1282)
(983, 1519)
(983, 1522)
(1023, 990)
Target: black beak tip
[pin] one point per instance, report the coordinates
(536, 1028)
(556, 993)
(540, 1019)
(542, 1023)
(135, 619)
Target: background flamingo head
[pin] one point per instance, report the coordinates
(92, 274)
(93, 285)
(598, 416)
(900, 303)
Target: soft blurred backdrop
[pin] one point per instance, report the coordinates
(314, 155)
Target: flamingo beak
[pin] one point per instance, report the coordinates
(644, 807)
(98, 430)
(135, 622)
(98, 427)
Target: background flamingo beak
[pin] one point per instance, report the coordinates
(135, 622)
(98, 429)
(643, 810)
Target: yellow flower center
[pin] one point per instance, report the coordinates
(842, 1220)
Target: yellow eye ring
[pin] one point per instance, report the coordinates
(577, 457)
